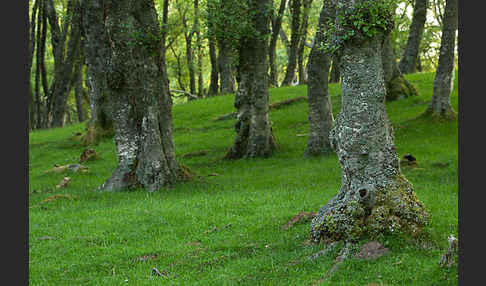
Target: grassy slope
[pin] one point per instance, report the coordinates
(100, 236)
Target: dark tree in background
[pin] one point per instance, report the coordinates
(254, 136)
(272, 50)
(295, 37)
(440, 105)
(374, 197)
(321, 119)
(137, 92)
(409, 58)
(397, 86)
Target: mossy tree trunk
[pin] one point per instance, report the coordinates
(138, 93)
(96, 52)
(397, 86)
(294, 42)
(408, 62)
(440, 105)
(320, 111)
(374, 197)
(254, 136)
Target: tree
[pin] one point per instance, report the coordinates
(374, 197)
(294, 42)
(320, 111)
(96, 52)
(397, 86)
(335, 75)
(137, 91)
(272, 50)
(409, 58)
(254, 136)
(303, 42)
(440, 105)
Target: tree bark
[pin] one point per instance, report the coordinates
(214, 77)
(440, 105)
(138, 92)
(409, 58)
(96, 52)
(272, 50)
(254, 136)
(294, 42)
(397, 86)
(225, 63)
(321, 119)
(374, 197)
(78, 88)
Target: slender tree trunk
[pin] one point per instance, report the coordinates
(96, 52)
(272, 50)
(214, 77)
(138, 93)
(397, 86)
(410, 54)
(294, 42)
(374, 197)
(254, 136)
(190, 65)
(440, 105)
(200, 79)
(78, 88)
(335, 75)
(32, 45)
(303, 41)
(321, 119)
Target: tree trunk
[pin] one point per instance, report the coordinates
(440, 105)
(78, 88)
(254, 137)
(96, 52)
(64, 70)
(272, 50)
(303, 40)
(320, 111)
(374, 197)
(410, 54)
(225, 63)
(335, 75)
(294, 42)
(397, 86)
(138, 93)
(190, 65)
(214, 77)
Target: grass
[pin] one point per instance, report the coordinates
(225, 229)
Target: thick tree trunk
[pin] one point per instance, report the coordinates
(138, 93)
(335, 75)
(321, 119)
(303, 41)
(254, 137)
(272, 50)
(397, 86)
(225, 63)
(96, 52)
(294, 42)
(410, 54)
(374, 197)
(440, 105)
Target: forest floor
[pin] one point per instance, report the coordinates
(226, 226)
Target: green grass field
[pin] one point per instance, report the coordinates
(226, 229)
